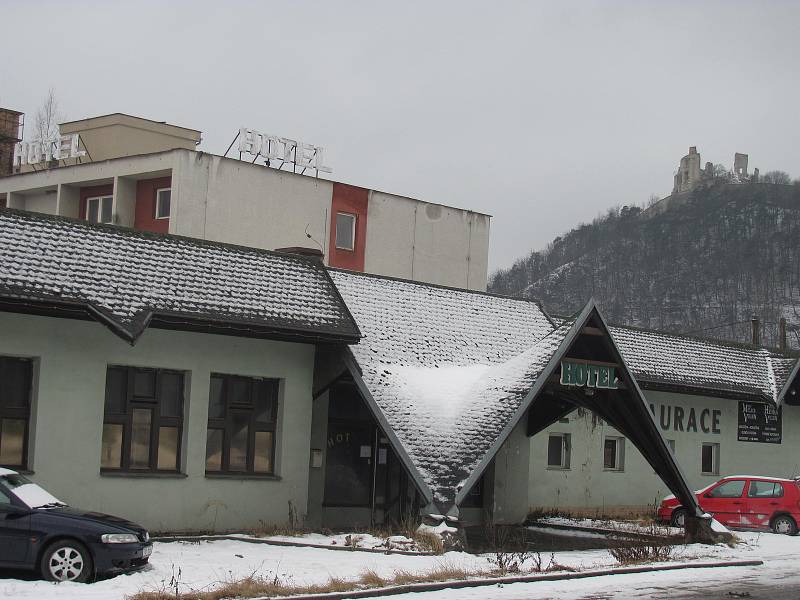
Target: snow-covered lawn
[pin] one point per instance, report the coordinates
(205, 564)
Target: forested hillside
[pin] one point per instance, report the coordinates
(704, 264)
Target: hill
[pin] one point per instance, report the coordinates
(702, 262)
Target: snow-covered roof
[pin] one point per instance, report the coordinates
(448, 368)
(125, 277)
(4, 472)
(684, 362)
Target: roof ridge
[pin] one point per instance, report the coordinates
(684, 336)
(440, 286)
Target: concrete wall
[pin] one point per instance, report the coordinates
(511, 466)
(587, 484)
(236, 202)
(72, 357)
(427, 242)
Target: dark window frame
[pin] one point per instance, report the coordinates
(225, 424)
(20, 413)
(565, 440)
(157, 420)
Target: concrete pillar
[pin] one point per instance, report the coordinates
(124, 203)
(68, 201)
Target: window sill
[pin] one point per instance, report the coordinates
(554, 468)
(607, 470)
(20, 470)
(143, 475)
(266, 476)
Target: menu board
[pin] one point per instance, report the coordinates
(759, 422)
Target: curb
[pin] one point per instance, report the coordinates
(598, 530)
(471, 583)
(215, 538)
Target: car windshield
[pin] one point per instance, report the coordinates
(30, 494)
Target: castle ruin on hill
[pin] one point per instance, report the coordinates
(690, 174)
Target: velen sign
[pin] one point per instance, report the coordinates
(32, 153)
(581, 374)
(759, 423)
(300, 154)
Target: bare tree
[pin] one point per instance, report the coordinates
(776, 177)
(45, 123)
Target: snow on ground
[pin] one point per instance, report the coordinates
(204, 564)
(602, 524)
(359, 540)
(777, 578)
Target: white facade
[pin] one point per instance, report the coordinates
(586, 484)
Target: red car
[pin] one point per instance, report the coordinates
(744, 501)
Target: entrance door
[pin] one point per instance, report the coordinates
(349, 469)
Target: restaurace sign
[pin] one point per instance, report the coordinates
(285, 150)
(582, 374)
(63, 147)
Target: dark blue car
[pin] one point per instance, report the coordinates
(39, 532)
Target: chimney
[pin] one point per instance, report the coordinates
(312, 253)
(692, 149)
(756, 330)
(782, 335)
(9, 136)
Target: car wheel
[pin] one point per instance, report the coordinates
(678, 518)
(67, 560)
(784, 524)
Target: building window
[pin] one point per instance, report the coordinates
(709, 459)
(163, 198)
(143, 422)
(242, 414)
(98, 209)
(558, 451)
(614, 454)
(345, 231)
(16, 376)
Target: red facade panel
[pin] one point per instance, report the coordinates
(350, 200)
(145, 217)
(91, 192)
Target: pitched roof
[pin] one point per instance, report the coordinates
(695, 364)
(447, 368)
(125, 278)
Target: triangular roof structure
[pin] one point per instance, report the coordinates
(449, 373)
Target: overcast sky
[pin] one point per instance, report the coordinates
(541, 114)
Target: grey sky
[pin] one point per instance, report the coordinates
(541, 114)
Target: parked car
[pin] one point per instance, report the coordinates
(744, 501)
(39, 532)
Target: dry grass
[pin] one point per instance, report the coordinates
(257, 586)
(638, 514)
(428, 542)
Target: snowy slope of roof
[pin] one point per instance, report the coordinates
(127, 276)
(448, 368)
(685, 362)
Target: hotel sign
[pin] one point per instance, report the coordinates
(285, 150)
(582, 374)
(63, 147)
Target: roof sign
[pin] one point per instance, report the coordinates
(287, 151)
(582, 374)
(63, 147)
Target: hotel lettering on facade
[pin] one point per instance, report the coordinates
(230, 381)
